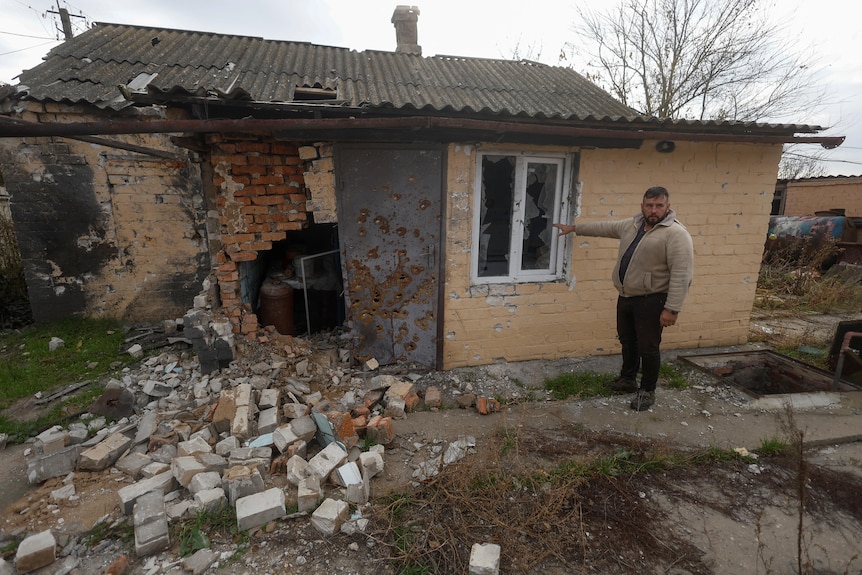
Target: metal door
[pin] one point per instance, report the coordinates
(389, 229)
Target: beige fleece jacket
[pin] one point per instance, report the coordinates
(663, 262)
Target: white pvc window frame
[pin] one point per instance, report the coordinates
(513, 270)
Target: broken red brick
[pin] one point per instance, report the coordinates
(433, 397)
(486, 405)
(118, 567)
(360, 410)
(411, 401)
(372, 398)
(342, 427)
(360, 423)
(382, 431)
(482, 405)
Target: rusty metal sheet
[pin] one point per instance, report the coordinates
(389, 227)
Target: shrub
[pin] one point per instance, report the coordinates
(14, 304)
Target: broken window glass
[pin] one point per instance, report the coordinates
(520, 197)
(498, 179)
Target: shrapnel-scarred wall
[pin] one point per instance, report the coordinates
(105, 231)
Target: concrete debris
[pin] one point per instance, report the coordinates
(151, 524)
(200, 561)
(36, 551)
(194, 432)
(261, 508)
(484, 559)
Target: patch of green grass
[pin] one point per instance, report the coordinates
(672, 377)
(194, 534)
(367, 443)
(716, 454)
(508, 441)
(125, 531)
(19, 431)
(581, 385)
(7, 551)
(405, 536)
(819, 360)
(27, 366)
(93, 348)
(770, 446)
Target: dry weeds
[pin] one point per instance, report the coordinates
(576, 502)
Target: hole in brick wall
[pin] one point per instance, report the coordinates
(296, 286)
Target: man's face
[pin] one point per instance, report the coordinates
(654, 209)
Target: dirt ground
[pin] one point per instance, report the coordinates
(742, 520)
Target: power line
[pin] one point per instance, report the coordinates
(25, 35)
(51, 41)
(821, 159)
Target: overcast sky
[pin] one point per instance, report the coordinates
(478, 28)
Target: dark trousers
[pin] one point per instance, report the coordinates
(639, 329)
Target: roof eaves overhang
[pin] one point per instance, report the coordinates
(413, 128)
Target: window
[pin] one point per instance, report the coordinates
(517, 200)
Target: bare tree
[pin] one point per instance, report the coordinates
(796, 163)
(697, 59)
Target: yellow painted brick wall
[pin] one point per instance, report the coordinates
(804, 198)
(722, 193)
(105, 231)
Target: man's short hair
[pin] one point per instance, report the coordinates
(657, 191)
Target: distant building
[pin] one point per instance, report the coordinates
(839, 195)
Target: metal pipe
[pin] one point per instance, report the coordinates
(305, 286)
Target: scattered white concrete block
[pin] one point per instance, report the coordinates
(284, 436)
(327, 460)
(63, 493)
(185, 468)
(163, 483)
(330, 516)
(296, 469)
(269, 398)
(484, 559)
(133, 463)
(294, 410)
(304, 427)
(200, 561)
(204, 480)
(309, 494)
(154, 468)
(241, 481)
(192, 446)
(371, 463)
(36, 551)
(347, 474)
(261, 508)
(105, 453)
(268, 420)
(226, 445)
(211, 499)
(51, 440)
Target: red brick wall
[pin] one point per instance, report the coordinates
(261, 195)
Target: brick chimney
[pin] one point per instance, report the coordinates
(406, 33)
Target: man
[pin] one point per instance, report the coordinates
(652, 275)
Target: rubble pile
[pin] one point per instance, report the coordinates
(294, 431)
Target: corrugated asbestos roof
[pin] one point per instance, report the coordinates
(181, 63)
(89, 67)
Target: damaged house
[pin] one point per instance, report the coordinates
(407, 197)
